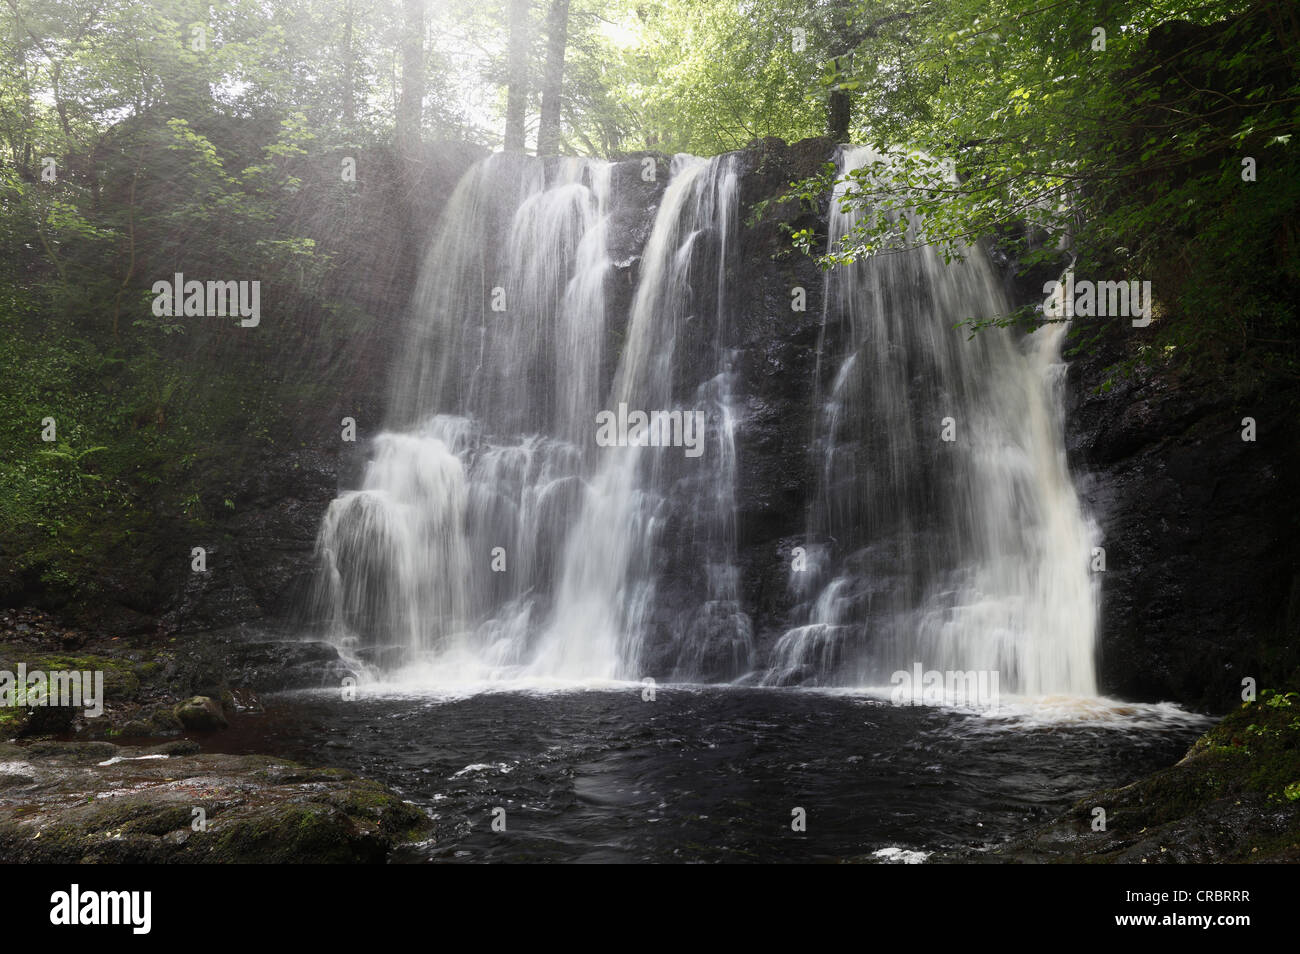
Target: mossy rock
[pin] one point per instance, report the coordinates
(122, 679)
(201, 713)
(1235, 796)
(68, 804)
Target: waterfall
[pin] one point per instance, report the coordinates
(491, 537)
(608, 596)
(496, 535)
(966, 554)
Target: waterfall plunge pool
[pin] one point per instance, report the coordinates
(711, 773)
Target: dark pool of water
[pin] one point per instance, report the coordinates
(708, 774)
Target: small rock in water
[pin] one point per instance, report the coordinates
(201, 713)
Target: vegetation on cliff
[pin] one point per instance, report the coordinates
(1235, 797)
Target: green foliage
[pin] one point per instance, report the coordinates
(1017, 125)
(710, 77)
(148, 172)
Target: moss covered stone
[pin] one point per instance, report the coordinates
(201, 713)
(67, 802)
(1229, 799)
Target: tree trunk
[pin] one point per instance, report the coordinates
(839, 116)
(839, 113)
(410, 107)
(349, 72)
(517, 88)
(557, 37)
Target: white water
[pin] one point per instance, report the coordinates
(967, 555)
(607, 590)
(493, 455)
(620, 562)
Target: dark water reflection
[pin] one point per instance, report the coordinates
(710, 774)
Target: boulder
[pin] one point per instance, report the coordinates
(201, 714)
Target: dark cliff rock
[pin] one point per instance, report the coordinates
(777, 376)
(259, 560)
(1202, 582)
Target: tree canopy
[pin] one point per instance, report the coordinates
(1150, 140)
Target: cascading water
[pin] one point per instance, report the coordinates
(968, 553)
(492, 537)
(495, 536)
(608, 594)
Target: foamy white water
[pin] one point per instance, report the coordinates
(491, 539)
(963, 554)
(492, 542)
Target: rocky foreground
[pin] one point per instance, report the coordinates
(69, 792)
(69, 802)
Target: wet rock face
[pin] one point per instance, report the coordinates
(778, 359)
(1199, 526)
(263, 563)
(773, 346)
(97, 802)
(270, 665)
